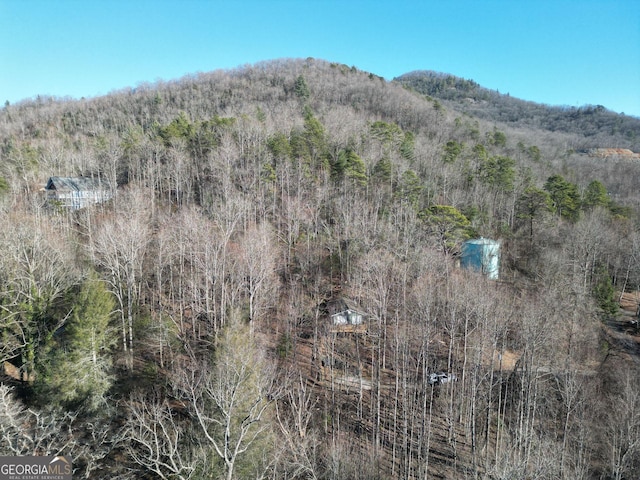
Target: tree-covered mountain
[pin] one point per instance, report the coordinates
(272, 286)
(598, 126)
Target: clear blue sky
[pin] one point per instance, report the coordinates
(559, 52)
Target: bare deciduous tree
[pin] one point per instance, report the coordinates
(256, 269)
(158, 441)
(120, 245)
(36, 270)
(28, 431)
(232, 402)
(294, 419)
(622, 427)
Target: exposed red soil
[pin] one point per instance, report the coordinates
(614, 152)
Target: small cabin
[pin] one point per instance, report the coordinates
(441, 378)
(345, 315)
(74, 193)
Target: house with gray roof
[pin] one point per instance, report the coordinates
(76, 192)
(345, 315)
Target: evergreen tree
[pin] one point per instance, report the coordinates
(232, 405)
(408, 146)
(349, 165)
(78, 366)
(388, 133)
(301, 88)
(497, 138)
(310, 145)
(595, 195)
(179, 128)
(279, 146)
(410, 188)
(531, 204)
(498, 173)
(383, 170)
(565, 197)
(604, 292)
(452, 150)
(448, 225)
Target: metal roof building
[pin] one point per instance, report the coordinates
(344, 315)
(76, 192)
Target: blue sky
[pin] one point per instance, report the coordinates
(559, 52)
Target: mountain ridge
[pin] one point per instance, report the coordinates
(469, 97)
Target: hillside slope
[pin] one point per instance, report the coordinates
(275, 277)
(599, 127)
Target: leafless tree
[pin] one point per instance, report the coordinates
(36, 270)
(232, 402)
(256, 268)
(158, 441)
(30, 431)
(622, 427)
(119, 246)
(294, 414)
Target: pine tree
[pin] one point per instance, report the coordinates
(448, 225)
(564, 196)
(78, 370)
(595, 195)
(604, 293)
(301, 88)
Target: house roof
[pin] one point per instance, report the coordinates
(339, 305)
(74, 183)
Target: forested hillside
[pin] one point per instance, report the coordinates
(594, 124)
(182, 328)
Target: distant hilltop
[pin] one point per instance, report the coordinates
(613, 152)
(595, 124)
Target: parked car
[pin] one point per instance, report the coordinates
(441, 377)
